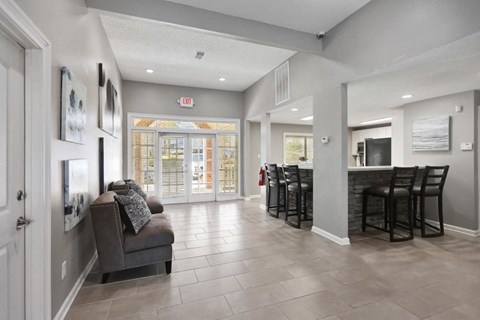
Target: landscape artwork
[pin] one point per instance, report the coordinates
(74, 113)
(432, 134)
(75, 189)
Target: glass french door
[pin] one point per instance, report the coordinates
(187, 168)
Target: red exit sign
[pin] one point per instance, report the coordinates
(186, 102)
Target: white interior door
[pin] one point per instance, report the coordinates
(187, 168)
(12, 177)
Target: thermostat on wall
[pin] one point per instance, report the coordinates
(466, 146)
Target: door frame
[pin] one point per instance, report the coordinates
(17, 25)
(237, 132)
(189, 197)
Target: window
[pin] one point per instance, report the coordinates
(143, 154)
(190, 125)
(297, 146)
(228, 150)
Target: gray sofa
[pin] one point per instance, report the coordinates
(119, 249)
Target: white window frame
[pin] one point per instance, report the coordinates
(297, 134)
(220, 196)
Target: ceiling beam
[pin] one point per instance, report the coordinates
(239, 28)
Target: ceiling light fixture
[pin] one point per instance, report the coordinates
(294, 109)
(307, 118)
(149, 71)
(407, 96)
(222, 79)
(377, 121)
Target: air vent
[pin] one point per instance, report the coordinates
(282, 83)
(199, 55)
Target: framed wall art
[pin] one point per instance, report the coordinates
(74, 108)
(75, 188)
(432, 134)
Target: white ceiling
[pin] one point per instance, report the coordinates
(446, 70)
(310, 16)
(170, 51)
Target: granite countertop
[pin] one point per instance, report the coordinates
(371, 168)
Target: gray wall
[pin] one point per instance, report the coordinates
(461, 193)
(78, 42)
(380, 35)
(277, 131)
(162, 99)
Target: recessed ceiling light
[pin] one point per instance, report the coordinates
(307, 118)
(407, 96)
(377, 121)
(222, 79)
(149, 71)
(294, 109)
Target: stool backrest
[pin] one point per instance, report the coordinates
(434, 176)
(291, 173)
(273, 174)
(403, 177)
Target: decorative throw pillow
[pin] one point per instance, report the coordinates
(136, 209)
(136, 187)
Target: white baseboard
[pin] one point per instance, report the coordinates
(255, 196)
(62, 313)
(451, 228)
(263, 207)
(331, 237)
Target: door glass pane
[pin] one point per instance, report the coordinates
(202, 165)
(143, 146)
(173, 168)
(228, 149)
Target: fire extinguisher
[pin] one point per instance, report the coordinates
(261, 177)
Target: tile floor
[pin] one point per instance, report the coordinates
(232, 261)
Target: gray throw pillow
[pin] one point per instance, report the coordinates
(136, 210)
(136, 187)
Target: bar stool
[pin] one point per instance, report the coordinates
(401, 187)
(432, 185)
(299, 189)
(274, 181)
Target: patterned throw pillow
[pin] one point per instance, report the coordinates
(136, 210)
(136, 187)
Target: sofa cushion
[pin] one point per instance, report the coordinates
(136, 187)
(136, 210)
(157, 232)
(154, 204)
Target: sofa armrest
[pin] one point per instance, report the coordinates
(108, 230)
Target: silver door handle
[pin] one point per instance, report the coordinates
(20, 195)
(22, 222)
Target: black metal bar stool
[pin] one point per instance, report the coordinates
(401, 187)
(277, 183)
(299, 189)
(432, 185)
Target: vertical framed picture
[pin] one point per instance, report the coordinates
(75, 188)
(117, 114)
(106, 110)
(432, 134)
(74, 108)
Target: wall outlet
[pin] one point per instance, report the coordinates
(64, 269)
